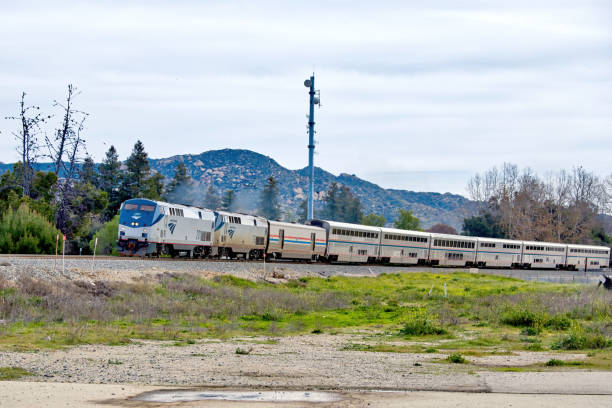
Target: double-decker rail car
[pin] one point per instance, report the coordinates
(295, 241)
(148, 227)
(239, 235)
(403, 247)
(593, 257)
(452, 250)
(350, 242)
(543, 255)
(501, 253)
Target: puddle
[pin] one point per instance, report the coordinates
(265, 396)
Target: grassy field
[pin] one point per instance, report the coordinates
(480, 314)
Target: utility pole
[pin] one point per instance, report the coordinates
(314, 100)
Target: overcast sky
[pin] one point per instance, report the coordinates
(415, 95)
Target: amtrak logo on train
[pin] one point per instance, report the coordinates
(230, 232)
(172, 226)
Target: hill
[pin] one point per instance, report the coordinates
(246, 172)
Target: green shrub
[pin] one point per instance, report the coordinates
(554, 363)
(456, 358)
(23, 231)
(421, 326)
(531, 331)
(107, 238)
(579, 339)
(522, 317)
(559, 322)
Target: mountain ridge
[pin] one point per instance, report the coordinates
(246, 172)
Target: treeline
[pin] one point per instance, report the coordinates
(518, 204)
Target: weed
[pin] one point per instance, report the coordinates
(456, 358)
(431, 350)
(421, 326)
(553, 362)
(13, 373)
(114, 361)
(580, 338)
(531, 331)
(317, 331)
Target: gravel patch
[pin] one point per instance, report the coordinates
(126, 269)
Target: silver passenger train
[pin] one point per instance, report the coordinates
(154, 228)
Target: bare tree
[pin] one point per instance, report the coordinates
(64, 150)
(67, 143)
(30, 118)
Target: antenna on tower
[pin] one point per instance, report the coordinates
(315, 99)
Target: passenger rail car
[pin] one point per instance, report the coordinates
(500, 253)
(148, 227)
(295, 241)
(403, 247)
(592, 256)
(452, 250)
(350, 242)
(544, 255)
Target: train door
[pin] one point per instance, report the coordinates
(350, 253)
(281, 238)
(313, 240)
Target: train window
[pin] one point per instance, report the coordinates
(255, 223)
(148, 208)
(259, 240)
(200, 214)
(128, 206)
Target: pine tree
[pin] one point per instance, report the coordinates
(180, 188)
(302, 215)
(137, 171)
(211, 200)
(110, 181)
(350, 206)
(268, 204)
(88, 173)
(228, 201)
(332, 205)
(153, 187)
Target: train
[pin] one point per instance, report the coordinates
(154, 228)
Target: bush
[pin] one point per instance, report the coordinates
(559, 323)
(107, 238)
(554, 363)
(456, 358)
(23, 231)
(522, 317)
(421, 326)
(579, 339)
(530, 331)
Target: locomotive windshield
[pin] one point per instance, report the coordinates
(137, 213)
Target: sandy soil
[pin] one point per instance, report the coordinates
(301, 362)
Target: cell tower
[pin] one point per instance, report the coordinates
(314, 100)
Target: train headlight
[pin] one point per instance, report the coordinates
(144, 230)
